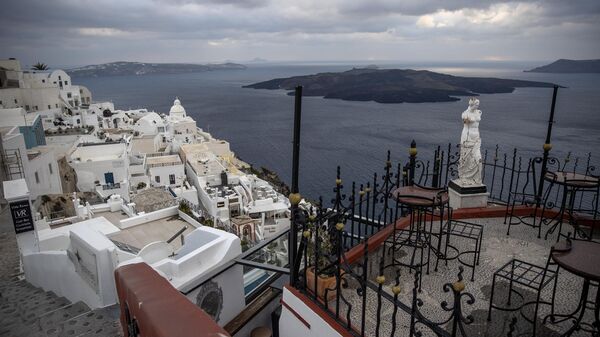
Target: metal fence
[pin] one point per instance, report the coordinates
(506, 173)
(328, 234)
(356, 213)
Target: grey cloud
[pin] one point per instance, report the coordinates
(275, 28)
(239, 3)
(412, 7)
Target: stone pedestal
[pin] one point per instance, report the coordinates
(467, 196)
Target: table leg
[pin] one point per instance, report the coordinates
(579, 313)
(596, 324)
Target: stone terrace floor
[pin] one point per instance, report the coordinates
(497, 249)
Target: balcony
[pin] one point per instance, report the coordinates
(115, 186)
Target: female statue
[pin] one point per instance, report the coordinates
(469, 163)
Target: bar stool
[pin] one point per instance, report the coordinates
(425, 207)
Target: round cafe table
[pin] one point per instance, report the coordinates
(581, 258)
(424, 204)
(571, 183)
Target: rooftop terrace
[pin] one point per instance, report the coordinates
(157, 230)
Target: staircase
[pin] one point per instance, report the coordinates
(27, 311)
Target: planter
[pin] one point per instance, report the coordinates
(323, 282)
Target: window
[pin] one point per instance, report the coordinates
(43, 81)
(56, 105)
(36, 108)
(157, 179)
(16, 101)
(27, 107)
(50, 168)
(171, 179)
(37, 178)
(49, 106)
(59, 78)
(66, 82)
(69, 95)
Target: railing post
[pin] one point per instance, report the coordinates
(295, 196)
(413, 157)
(547, 148)
(436, 168)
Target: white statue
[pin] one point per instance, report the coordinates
(469, 163)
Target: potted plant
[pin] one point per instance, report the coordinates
(326, 278)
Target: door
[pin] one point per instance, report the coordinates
(108, 177)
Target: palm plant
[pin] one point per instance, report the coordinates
(40, 66)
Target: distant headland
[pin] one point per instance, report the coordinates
(139, 68)
(569, 66)
(395, 85)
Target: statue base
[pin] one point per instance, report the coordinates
(467, 196)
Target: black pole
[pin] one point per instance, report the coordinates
(295, 195)
(412, 162)
(547, 148)
(296, 141)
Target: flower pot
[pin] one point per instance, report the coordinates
(323, 282)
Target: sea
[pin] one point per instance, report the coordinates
(357, 135)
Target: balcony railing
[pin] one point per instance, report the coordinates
(115, 186)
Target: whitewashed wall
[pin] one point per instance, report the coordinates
(291, 326)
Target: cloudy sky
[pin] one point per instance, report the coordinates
(77, 32)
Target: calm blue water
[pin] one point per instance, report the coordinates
(356, 135)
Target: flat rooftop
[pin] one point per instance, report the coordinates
(157, 230)
(114, 217)
(142, 144)
(99, 151)
(166, 160)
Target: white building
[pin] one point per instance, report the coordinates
(39, 90)
(180, 128)
(23, 146)
(101, 167)
(150, 124)
(165, 170)
(226, 193)
(77, 258)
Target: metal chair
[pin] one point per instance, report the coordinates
(534, 277)
(465, 230)
(522, 196)
(582, 217)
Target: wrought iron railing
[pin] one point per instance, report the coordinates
(328, 234)
(505, 173)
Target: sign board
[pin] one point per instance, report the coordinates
(21, 215)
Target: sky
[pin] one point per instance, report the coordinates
(80, 32)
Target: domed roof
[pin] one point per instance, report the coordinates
(177, 109)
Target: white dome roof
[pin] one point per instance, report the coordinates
(177, 109)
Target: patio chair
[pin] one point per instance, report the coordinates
(583, 216)
(455, 229)
(525, 274)
(526, 195)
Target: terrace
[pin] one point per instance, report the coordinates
(393, 259)
(379, 290)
